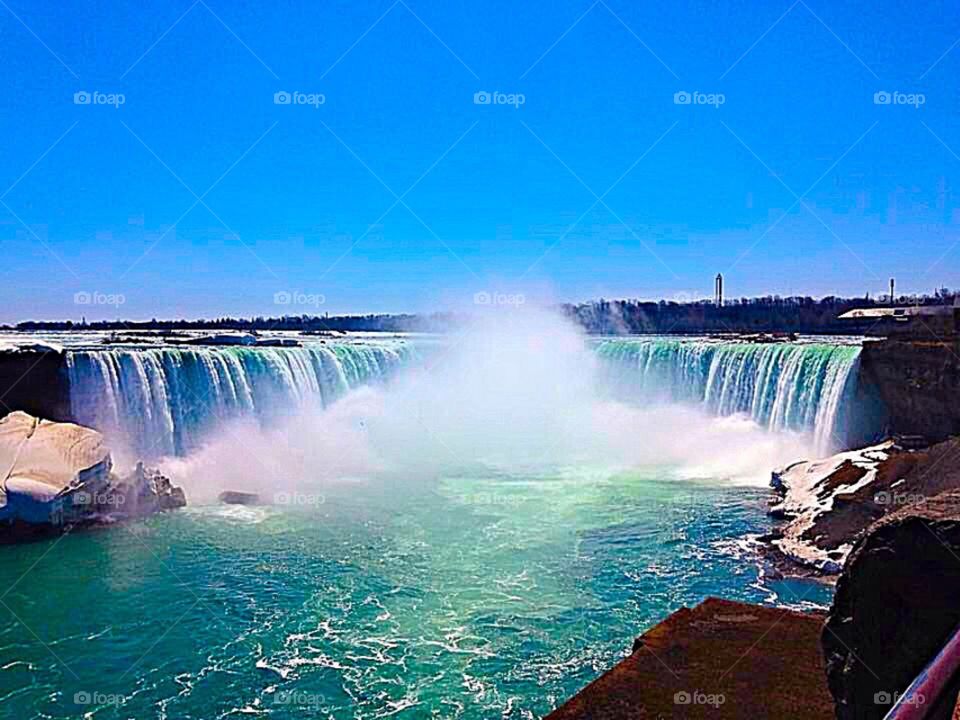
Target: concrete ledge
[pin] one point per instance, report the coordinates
(721, 659)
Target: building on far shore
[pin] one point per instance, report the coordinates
(915, 320)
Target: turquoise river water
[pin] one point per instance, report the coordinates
(467, 597)
(466, 590)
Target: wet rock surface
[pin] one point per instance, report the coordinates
(146, 491)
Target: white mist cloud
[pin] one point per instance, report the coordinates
(519, 390)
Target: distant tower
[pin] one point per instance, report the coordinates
(891, 291)
(718, 290)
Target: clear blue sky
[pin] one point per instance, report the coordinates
(104, 199)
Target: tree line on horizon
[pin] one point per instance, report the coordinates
(434, 322)
(768, 314)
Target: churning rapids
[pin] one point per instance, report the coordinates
(466, 527)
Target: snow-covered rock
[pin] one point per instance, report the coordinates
(37, 346)
(809, 492)
(55, 475)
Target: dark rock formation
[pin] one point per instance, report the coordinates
(896, 605)
(147, 491)
(35, 382)
(916, 381)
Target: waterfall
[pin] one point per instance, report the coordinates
(783, 386)
(162, 400)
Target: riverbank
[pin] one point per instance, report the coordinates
(885, 642)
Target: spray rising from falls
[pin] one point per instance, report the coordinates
(524, 387)
(797, 386)
(518, 398)
(161, 401)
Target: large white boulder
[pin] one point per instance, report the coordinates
(43, 464)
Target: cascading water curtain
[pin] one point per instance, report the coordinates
(798, 387)
(162, 400)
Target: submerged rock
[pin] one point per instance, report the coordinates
(235, 497)
(54, 476)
